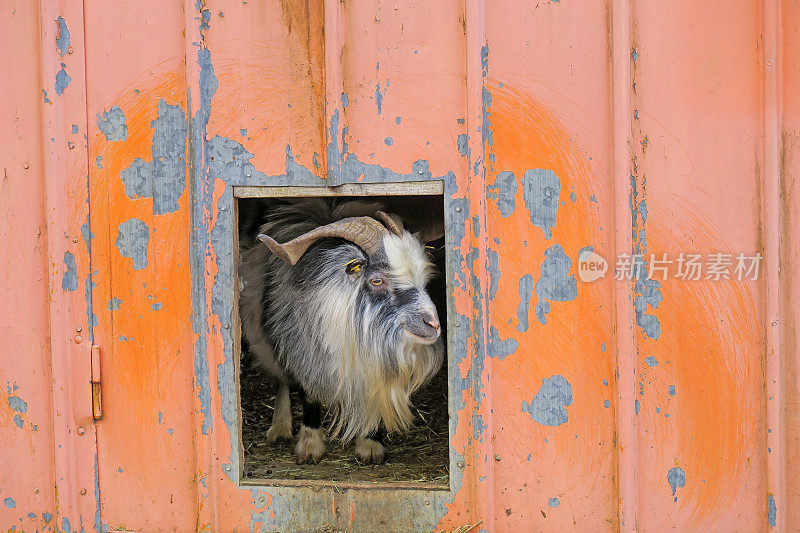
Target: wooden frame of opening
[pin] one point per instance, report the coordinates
(411, 188)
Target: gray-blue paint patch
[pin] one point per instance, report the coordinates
(549, 406)
(500, 348)
(637, 406)
(772, 511)
(478, 427)
(503, 192)
(651, 361)
(647, 293)
(74, 128)
(553, 502)
(17, 404)
(388, 141)
(672, 390)
(379, 97)
(242, 132)
(99, 161)
(494, 272)
(18, 421)
(540, 190)
(397, 120)
(462, 142)
(32, 516)
(65, 525)
(123, 338)
(164, 177)
(46, 99)
(345, 99)
(676, 478)
(69, 282)
(112, 124)
(606, 403)
(156, 306)
(114, 304)
(605, 382)
(10, 503)
(525, 292)
(603, 347)
(132, 239)
(62, 80)
(555, 282)
(62, 37)
(573, 196)
(47, 517)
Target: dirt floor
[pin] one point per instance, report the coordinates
(421, 455)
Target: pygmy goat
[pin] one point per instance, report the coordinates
(334, 302)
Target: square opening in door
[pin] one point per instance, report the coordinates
(343, 370)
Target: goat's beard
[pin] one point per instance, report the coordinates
(376, 376)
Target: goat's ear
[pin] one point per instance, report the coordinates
(432, 231)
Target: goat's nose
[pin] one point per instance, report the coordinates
(432, 321)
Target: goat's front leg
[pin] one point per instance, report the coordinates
(310, 439)
(281, 428)
(372, 450)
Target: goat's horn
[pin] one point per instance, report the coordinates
(365, 232)
(393, 222)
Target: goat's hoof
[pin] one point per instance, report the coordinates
(310, 445)
(279, 433)
(370, 452)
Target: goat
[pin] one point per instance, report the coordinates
(341, 311)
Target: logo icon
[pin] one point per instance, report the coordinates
(591, 266)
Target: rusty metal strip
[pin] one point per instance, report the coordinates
(625, 319)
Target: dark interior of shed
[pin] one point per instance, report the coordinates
(419, 455)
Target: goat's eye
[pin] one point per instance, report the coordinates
(376, 281)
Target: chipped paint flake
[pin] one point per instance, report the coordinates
(676, 478)
(17, 404)
(112, 124)
(62, 37)
(69, 282)
(549, 406)
(540, 191)
(503, 192)
(132, 239)
(164, 177)
(772, 511)
(500, 348)
(525, 293)
(114, 304)
(62, 80)
(555, 282)
(553, 502)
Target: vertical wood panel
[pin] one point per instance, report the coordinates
(27, 473)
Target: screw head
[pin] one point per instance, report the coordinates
(83, 492)
(78, 339)
(70, 50)
(460, 464)
(78, 329)
(81, 431)
(26, 165)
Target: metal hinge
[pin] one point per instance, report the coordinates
(97, 401)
